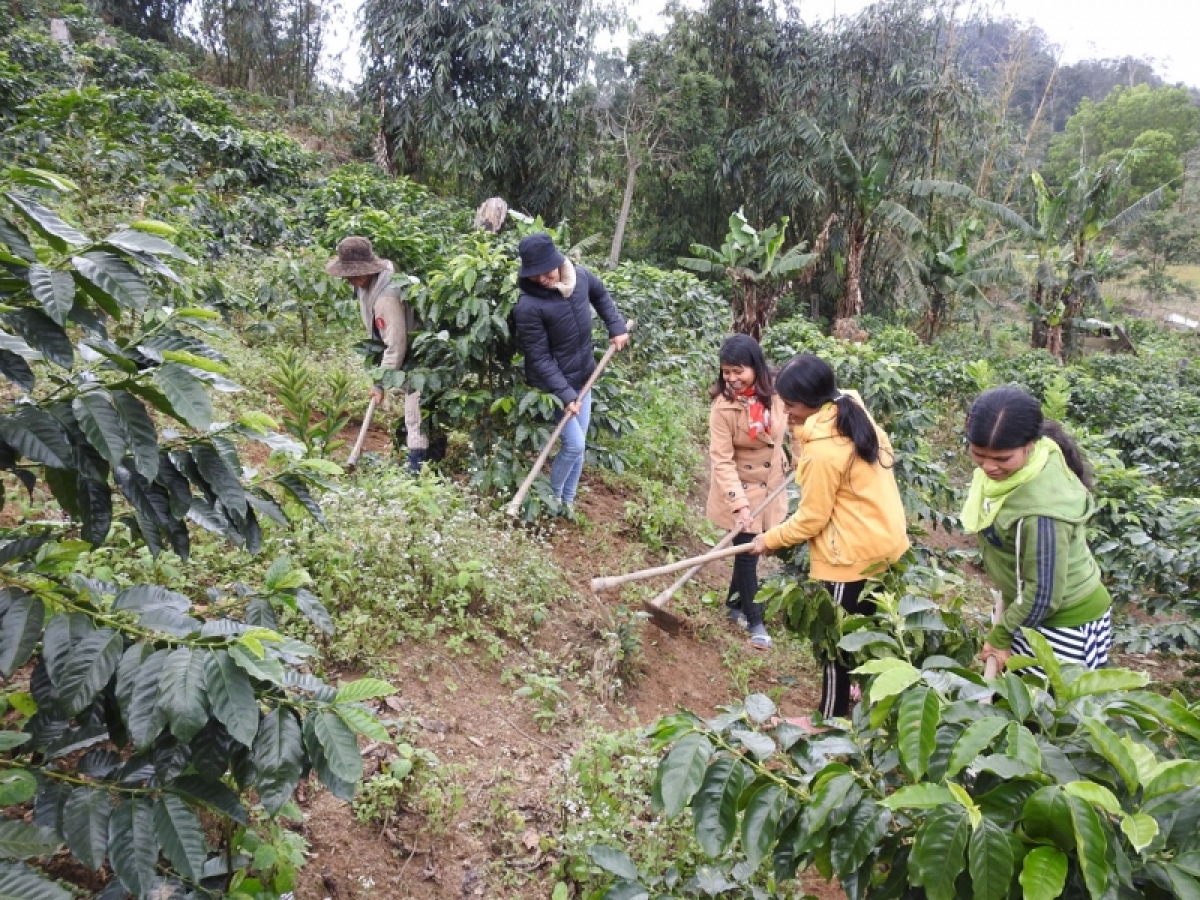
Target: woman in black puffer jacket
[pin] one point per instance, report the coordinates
(554, 325)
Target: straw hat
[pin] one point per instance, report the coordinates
(355, 257)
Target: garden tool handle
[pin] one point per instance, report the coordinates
(611, 581)
(661, 599)
(362, 432)
(514, 505)
(991, 668)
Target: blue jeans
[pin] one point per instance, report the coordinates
(568, 464)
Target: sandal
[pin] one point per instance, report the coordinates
(735, 615)
(759, 639)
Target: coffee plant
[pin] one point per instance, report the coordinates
(141, 718)
(1049, 781)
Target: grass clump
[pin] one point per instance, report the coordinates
(413, 559)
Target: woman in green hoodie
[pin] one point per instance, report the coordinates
(1029, 502)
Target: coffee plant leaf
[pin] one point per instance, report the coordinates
(715, 804)
(917, 722)
(183, 693)
(85, 825)
(55, 290)
(20, 630)
(133, 844)
(21, 841)
(232, 697)
(89, 666)
(278, 758)
(990, 861)
(613, 861)
(1091, 845)
(938, 853)
(978, 736)
(23, 883)
(363, 689)
(57, 233)
(178, 830)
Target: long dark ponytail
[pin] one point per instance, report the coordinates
(810, 380)
(1005, 418)
(743, 350)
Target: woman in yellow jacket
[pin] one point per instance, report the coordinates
(850, 509)
(747, 426)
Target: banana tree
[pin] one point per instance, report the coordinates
(871, 208)
(758, 272)
(952, 263)
(1069, 224)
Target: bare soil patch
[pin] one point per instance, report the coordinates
(458, 708)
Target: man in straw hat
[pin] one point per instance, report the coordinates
(389, 319)
(554, 323)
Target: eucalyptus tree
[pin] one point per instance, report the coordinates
(647, 111)
(1162, 241)
(1160, 125)
(157, 20)
(269, 45)
(723, 59)
(481, 97)
(862, 107)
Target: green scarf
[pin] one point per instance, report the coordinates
(986, 497)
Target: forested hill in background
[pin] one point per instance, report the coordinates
(651, 148)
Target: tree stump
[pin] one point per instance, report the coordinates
(491, 215)
(59, 31)
(847, 330)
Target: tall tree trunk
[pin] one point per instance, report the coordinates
(1012, 183)
(818, 249)
(852, 302)
(1054, 341)
(754, 305)
(614, 255)
(937, 314)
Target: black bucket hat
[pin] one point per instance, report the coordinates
(538, 255)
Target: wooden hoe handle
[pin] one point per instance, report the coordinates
(661, 600)
(362, 433)
(514, 505)
(612, 581)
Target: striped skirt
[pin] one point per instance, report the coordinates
(1081, 645)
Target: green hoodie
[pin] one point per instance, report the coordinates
(1060, 581)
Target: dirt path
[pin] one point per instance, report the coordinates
(508, 774)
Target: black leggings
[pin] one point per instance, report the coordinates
(835, 680)
(743, 587)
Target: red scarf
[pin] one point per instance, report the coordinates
(760, 416)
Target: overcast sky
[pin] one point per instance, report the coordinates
(1167, 31)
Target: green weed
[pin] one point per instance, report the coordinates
(551, 704)
(656, 514)
(604, 799)
(416, 781)
(404, 559)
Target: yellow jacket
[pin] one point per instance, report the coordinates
(850, 511)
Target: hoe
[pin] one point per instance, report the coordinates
(656, 608)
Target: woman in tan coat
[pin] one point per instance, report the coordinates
(747, 425)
